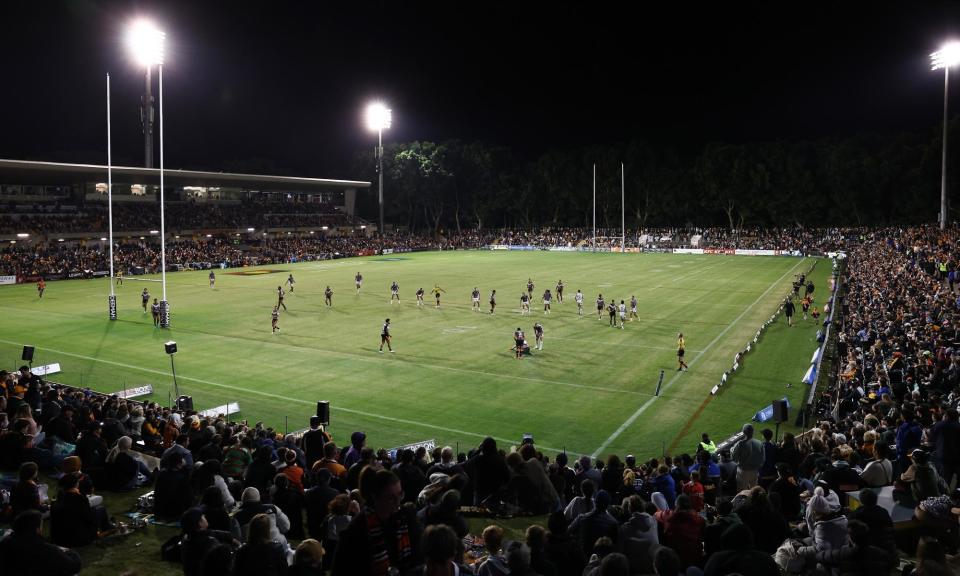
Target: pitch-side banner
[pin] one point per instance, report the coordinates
(8, 279)
(688, 250)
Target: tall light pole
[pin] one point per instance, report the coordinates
(146, 45)
(379, 118)
(948, 55)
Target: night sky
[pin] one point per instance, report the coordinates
(287, 82)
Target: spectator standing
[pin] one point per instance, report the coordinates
(749, 456)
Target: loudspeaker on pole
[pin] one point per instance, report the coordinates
(780, 411)
(27, 354)
(323, 412)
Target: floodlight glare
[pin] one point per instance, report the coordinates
(145, 42)
(379, 117)
(948, 55)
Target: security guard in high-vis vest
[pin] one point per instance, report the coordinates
(707, 444)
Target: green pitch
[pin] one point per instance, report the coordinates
(453, 376)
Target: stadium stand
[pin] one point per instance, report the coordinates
(877, 473)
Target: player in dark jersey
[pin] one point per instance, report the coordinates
(612, 312)
(493, 300)
(41, 286)
(538, 334)
(560, 291)
(524, 303)
(280, 295)
(145, 297)
(291, 282)
(328, 296)
(419, 294)
(385, 336)
(518, 341)
(681, 350)
(475, 299)
(436, 293)
(600, 306)
(212, 278)
(529, 289)
(788, 309)
(394, 292)
(805, 306)
(155, 310)
(358, 279)
(633, 308)
(809, 289)
(547, 298)
(275, 319)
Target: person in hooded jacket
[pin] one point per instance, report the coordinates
(739, 555)
(638, 536)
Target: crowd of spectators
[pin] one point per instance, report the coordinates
(52, 259)
(252, 501)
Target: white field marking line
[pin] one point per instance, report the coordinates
(279, 397)
(643, 408)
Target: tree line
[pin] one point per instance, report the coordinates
(866, 179)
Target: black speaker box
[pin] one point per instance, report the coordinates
(780, 411)
(27, 354)
(185, 403)
(170, 347)
(323, 412)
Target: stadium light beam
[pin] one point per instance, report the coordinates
(379, 118)
(146, 44)
(946, 57)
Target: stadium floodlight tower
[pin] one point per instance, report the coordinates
(379, 118)
(947, 56)
(146, 43)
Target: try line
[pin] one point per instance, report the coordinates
(643, 408)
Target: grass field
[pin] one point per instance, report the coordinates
(452, 378)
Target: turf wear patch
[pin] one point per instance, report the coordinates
(259, 272)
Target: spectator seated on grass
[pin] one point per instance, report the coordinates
(261, 555)
(26, 553)
(171, 493)
(197, 540)
(26, 492)
(73, 522)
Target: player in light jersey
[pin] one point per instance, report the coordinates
(328, 296)
(291, 282)
(538, 334)
(547, 298)
(475, 300)
(394, 292)
(119, 277)
(622, 309)
(358, 279)
(275, 319)
(633, 308)
(578, 298)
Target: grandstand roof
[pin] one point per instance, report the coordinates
(50, 173)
